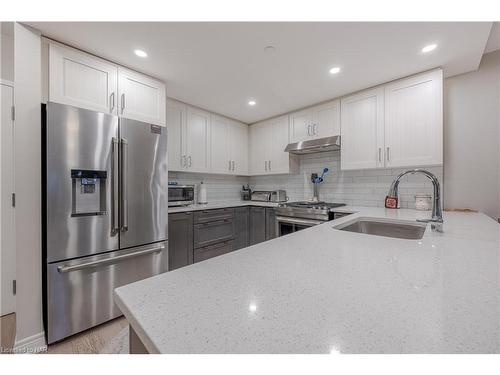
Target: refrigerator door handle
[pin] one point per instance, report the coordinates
(115, 177)
(124, 207)
(155, 248)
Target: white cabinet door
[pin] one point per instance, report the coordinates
(176, 123)
(141, 98)
(220, 145)
(239, 148)
(414, 120)
(300, 126)
(258, 148)
(197, 153)
(326, 120)
(362, 131)
(82, 80)
(277, 139)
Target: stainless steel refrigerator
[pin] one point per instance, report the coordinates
(105, 198)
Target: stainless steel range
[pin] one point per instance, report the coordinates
(294, 216)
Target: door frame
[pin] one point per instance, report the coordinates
(11, 304)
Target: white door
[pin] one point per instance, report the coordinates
(82, 80)
(279, 160)
(362, 131)
(239, 147)
(220, 145)
(300, 126)
(141, 98)
(258, 148)
(176, 120)
(414, 120)
(326, 120)
(197, 140)
(7, 244)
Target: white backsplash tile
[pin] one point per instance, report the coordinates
(361, 187)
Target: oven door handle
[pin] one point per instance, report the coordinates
(292, 220)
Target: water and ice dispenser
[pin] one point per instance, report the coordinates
(88, 192)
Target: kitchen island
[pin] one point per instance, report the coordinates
(323, 290)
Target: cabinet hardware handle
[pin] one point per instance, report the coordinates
(190, 161)
(233, 165)
(184, 161)
(388, 154)
(112, 99)
(265, 164)
(269, 163)
(380, 154)
(123, 102)
(314, 129)
(308, 129)
(229, 165)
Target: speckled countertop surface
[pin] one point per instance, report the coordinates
(222, 204)
(322, 290)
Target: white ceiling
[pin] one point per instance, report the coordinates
(220, 66)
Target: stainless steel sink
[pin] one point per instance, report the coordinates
(384, 227)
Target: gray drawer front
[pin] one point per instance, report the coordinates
(213, 232)
(213, 215)
(211, 251)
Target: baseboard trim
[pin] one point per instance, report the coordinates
(31, 344)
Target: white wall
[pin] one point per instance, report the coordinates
(7, 51)
(472, 138)
(27, 78)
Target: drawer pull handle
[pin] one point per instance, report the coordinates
(153, 249)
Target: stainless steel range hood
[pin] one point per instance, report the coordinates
(314, 145)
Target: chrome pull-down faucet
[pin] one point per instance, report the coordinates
(437, 214)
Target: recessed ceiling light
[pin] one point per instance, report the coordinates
(140, 53)
(334, 70)
(429, 48)
(252, 102)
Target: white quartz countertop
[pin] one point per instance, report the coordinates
(322, 290)
(221, 204)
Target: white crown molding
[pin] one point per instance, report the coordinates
(31, 344)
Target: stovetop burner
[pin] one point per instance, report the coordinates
(307, 204)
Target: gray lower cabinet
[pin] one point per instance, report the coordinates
(180, 240)
(257, 225)
(270, 224)
(241, 227)
(207, 252)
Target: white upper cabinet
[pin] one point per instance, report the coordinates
(176, 127)
(196, 153)
(238, 148)
(268, 140)
(414, 120)
(82, 80)
(399, 124)
(316, 122)
(220, 145)
(258, 156)
(141, 98)
(300, 126)
(326, 120)
(229, 146)
(362, 137)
